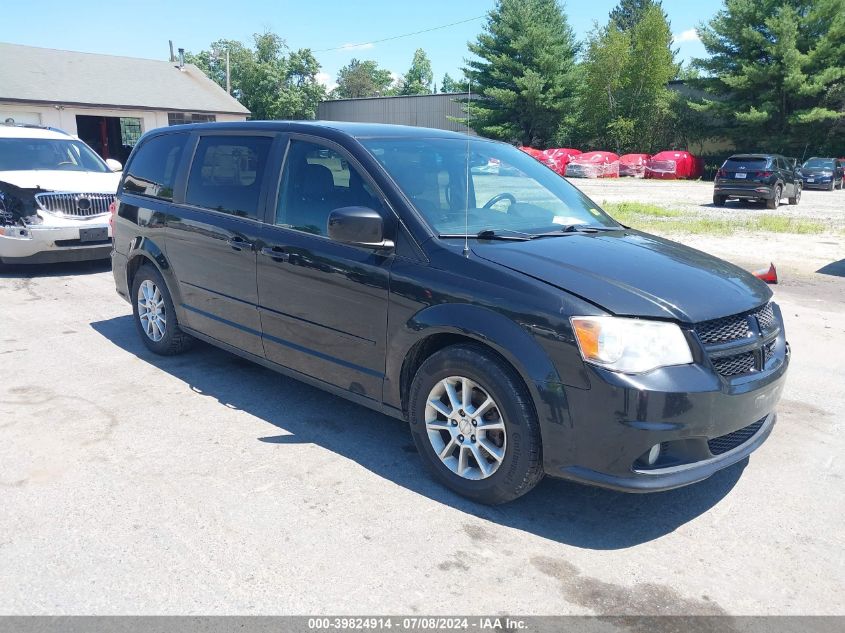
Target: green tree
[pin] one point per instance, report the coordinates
(361, 79)
(625, 102)
(524, 70)
(629, 12)
(269, 79)
(418, 79)
(776, 74)
(452, 85)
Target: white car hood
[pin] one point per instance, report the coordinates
(63, 180)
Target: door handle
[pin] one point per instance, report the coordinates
(238, 243)
(276, 253)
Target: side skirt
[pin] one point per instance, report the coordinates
(292, 373)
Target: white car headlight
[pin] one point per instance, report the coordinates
(628, 345)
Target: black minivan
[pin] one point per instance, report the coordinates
(456, 283)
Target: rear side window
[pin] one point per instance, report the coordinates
(152, 171)
(227, 172)
(745, 163)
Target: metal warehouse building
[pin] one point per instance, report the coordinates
(431, 110)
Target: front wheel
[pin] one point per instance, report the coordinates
(796, 197)
(155, 317)
(474, 425)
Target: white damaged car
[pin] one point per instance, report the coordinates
(55, 197)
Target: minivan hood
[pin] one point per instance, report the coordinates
(62, 180)
(634, 274)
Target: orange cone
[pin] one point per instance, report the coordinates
(769, 275)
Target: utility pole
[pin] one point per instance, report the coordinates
(228, 74)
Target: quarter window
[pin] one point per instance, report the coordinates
(152, 170)
(226, 174)
(316, 181)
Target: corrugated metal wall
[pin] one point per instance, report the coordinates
(421, 111)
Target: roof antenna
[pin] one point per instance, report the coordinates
(466, 198)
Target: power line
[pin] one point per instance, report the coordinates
(396, 37)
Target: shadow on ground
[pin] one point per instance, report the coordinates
(28, 271)
(837, 269)
(569, 513)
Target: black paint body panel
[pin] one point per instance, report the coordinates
(349, 319)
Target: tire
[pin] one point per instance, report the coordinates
(797, 197)
(160, 332)
(514, 426)
(831, 186)
(774, 201)
(720, 201)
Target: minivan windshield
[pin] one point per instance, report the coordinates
(25, 154)
(508, 191)
(819, 163)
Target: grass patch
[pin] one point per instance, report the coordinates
(655, 219)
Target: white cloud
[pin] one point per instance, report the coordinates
(357, 47)
(327, 80)
(690, 35)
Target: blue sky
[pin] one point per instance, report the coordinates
(141, 29)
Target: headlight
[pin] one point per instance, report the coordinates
(827, 173)
(630, 345)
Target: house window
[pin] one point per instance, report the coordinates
(181, 118)
(130, 131)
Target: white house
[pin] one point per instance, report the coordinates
(107, 101)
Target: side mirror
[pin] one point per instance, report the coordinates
(360, 226)
(114, 165)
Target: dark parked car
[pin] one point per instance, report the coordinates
(764, 177)
(824, 173)
(518, 328)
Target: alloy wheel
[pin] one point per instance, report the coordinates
(465, 427)
(151, 310)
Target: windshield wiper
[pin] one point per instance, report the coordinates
(577, 228)
(519, 236)
(490, 234)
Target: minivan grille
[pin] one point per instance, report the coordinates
(75, 205)
(735, 365)
(717, 335)
(725, 443)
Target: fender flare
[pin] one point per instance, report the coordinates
(487, 326)
(146, 249)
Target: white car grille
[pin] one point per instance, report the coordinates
(75, 205)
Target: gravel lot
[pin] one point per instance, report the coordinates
(794, 254)
(203, 484)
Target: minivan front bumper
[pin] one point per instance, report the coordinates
(701, 422)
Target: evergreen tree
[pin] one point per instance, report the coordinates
(418, 79)
(777, 74)
(451, 85)
(629, 12)
(525, 72)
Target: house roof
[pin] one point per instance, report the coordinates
(47, 75)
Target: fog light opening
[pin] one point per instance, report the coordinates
(653, 455)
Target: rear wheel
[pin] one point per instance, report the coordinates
(155, 318)
(720, 201)
(774, 201)
(796, 198)
(474, 425)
